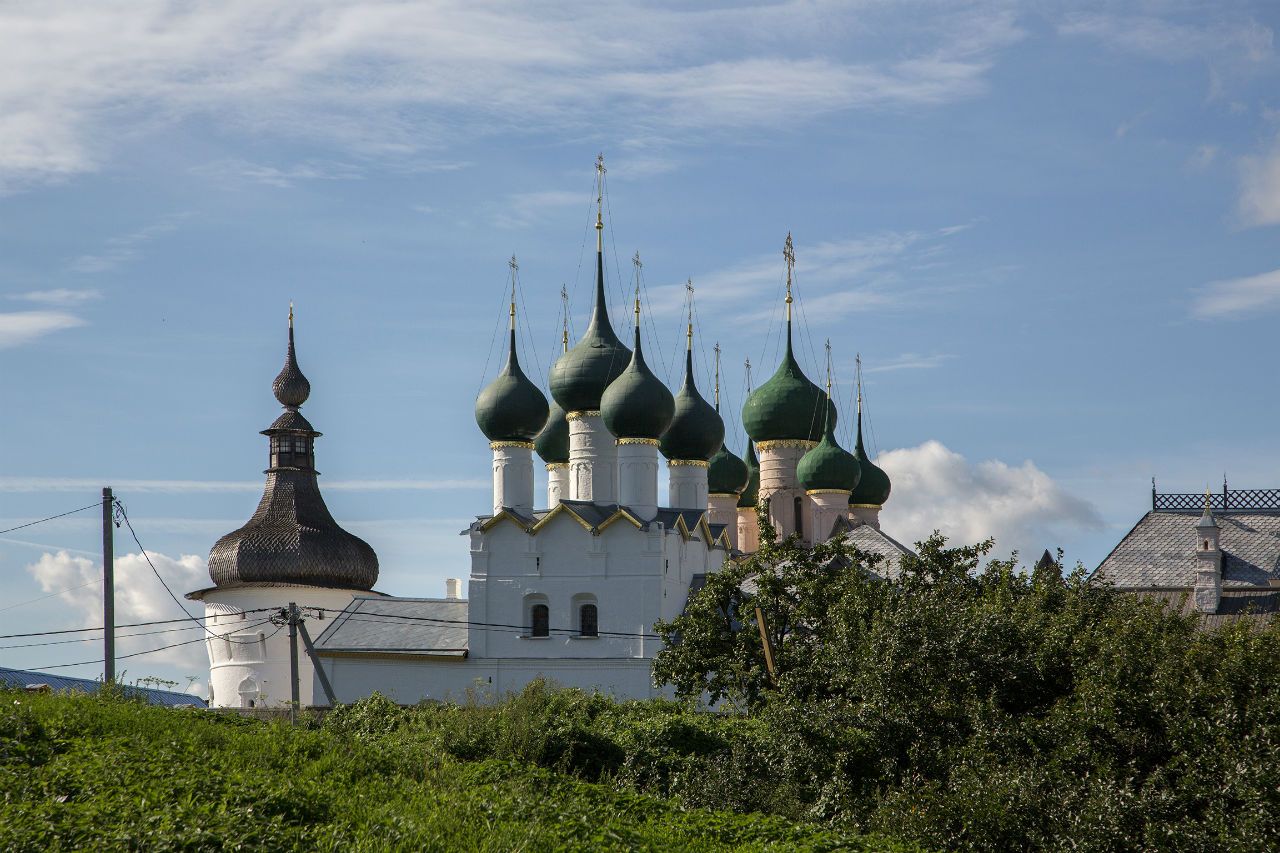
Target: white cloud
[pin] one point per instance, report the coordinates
(61, 297)
(1202, 157)
(72, 484)
(1163, 39)
(119, 250)
(1260, 188)
(1238, 295)
(392, 79)
(139, 597)
(522, 210)
(21, 327)
(910, 361)
(310, 170)
(1021, 507)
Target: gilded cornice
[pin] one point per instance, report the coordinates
(556, 466)
(690, 463)
(582, 415)
(523, 445)
(866, 506)
(785, 443)
(845, 492)
(650, 442)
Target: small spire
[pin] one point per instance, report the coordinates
(600, 170)
(717, 351)
(1224, 476)
(789, 254)
(747, 363)
(638, 265)
(859, 362)
(564, 303)
(514, 266)
(689, 287)
(828, 368)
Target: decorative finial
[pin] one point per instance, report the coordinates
(789, 255)
(514, 266)
(600, 170)
(1206, 498)
(748, 365)
(717, 351)
(828, 368)
(564, 303)
(859, 363)
(291, 322)
(638, 265)
(689, 287)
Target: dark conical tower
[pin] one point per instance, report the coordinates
(292, 538)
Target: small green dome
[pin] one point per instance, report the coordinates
(788, 406)
(751, 494)
(873, 486)
(726, 473)
(637, 404)
(511, 408)
(696, 431)
(552, 443)
(828, 466)
(580, 376)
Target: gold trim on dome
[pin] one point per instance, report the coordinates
(866, 506)
(733, 495)
(785, 443)
(691, 463)
(556, 466)
(845, 492)
(498, 445)
(647, 442)
(586, 413)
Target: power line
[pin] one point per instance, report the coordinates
(96, 639)
(51, 595)
(50, 518)
(153, 651)
(470, 624)
(129, 625)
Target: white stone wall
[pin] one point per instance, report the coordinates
(687, 486)
(778, 482)
(252, 663)
(557, 482)
(593, 459)
(723, 509)
(824, 508)
(638, 477)
(512, 476)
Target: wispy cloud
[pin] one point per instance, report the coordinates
(70, 484)
(119, 250)
(910, 361)
(22, 327)
(59, 298)
(1166, 39)
(522, 210)
(1260, 188)
(287, 176)
(1236, 296)
(394, 79)
(1202, 157)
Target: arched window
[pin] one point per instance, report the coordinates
(539, 621)
(588, 621)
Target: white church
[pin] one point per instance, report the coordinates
(569, 590)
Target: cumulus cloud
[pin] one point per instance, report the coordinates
(1260, 188)
(139, 598)
(22, 327)
(1235, 296)
(1020, 507)
(399, 77)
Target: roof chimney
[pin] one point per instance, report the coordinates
(453, 588)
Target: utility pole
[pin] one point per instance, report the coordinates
(108, 589)
(293, 663)
(315, 662)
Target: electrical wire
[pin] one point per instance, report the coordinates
(51, 518)
(125, 625)
(51, 595)
(470, 624)
(153, 651)
(98, 639)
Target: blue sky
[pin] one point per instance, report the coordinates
(1050, 229)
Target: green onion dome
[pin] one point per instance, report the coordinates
(552, 443)
(637, 404)
(788, 406)
(511, 408)
(873, 486)
(751, 494)
(828, 466)
(580, 376)
(696, 431)
(726, 473)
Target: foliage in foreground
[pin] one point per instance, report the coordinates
(105, 773)
(972, 707)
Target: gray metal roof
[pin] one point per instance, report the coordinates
(875, 541)
(1236, 604)
(1159, 552)
(398, 626)
(22, 678)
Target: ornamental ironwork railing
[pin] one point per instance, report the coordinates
(1225, 500)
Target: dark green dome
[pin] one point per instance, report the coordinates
(637, 404)
(552, 443)
(511, 408)
(873, 486)
(828, 466)
(696, 431)
(579, 377)
(788, 406)
(751, 494)
(726, 473)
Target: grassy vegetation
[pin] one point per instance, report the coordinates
(106, 773)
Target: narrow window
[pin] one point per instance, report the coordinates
(588, 621)
(541, 622)
(800, 516)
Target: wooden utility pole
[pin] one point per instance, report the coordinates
(764, 637)
(293, 663)
(108, 590)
